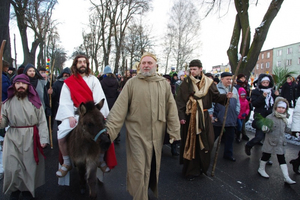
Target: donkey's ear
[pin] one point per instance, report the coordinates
(100, 104)
(82, 109)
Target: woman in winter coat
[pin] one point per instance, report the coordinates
(296, 131)
(275, 139)
(288, 91)
(244, 112)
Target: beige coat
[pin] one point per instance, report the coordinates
(147, 106)
(20, 169)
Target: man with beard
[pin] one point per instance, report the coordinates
(194, 99)
(24, 164)
(147, 106)
(80, 87)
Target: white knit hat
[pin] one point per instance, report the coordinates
(281, 104)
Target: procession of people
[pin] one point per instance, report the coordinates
(188, 106)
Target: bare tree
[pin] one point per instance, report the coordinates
(184, 26)
(239, 34)
(168, 46)
(4, 28)
(138, 41)
(36, 15)
(115, 16)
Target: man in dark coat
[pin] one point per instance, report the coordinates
(262, 99)
(56, 89)
(110, 86)
(288, 91)
(197, 134)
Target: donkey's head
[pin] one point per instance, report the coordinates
(92, 123)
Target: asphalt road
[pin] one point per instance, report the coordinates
(232, 180)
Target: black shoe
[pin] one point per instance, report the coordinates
(15, 195)
(248, 150)
(238, 140)
(174, 150)
(229, 158)
(296, 164)
(27, 195)
(191, 177)
(245, 137)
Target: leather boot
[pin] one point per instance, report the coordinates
(296, 164)
(174, 149)
(286, 176)
(15, 195)
(261, 170)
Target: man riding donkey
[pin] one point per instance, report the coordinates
(80, 87)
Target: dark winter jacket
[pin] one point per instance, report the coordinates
(288, 91)
(5, 84)
(39, 83)
(233, 109)
(110, 86)
(258, 99)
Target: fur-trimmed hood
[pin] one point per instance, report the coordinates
(261, 76)
(281, 99)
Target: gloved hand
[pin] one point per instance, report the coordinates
(297, 135)
(244, 115)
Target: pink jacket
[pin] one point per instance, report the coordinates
(244, 108)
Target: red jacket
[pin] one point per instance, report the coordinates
(244, 104)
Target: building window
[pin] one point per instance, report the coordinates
(289, 62)
(289, 50)
(267, 65)
(262, 56)
(268, 55)
(279, 63)
(262, 65)
(257, 66)
(279, 52)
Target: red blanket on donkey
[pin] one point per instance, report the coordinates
(80, 92)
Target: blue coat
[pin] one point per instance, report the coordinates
(5, 84)
(233, 110)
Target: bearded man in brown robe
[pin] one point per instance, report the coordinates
(23, 161)
(148, 108)
(194, 98)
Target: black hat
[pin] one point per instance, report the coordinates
(11, 68)
(167, 76)
(195, 63)
(216, 80)
(224, 74)
(209, 75)
(42, 69)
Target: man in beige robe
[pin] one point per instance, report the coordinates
(147, 106)
(23, 161)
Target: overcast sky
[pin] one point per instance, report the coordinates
(215, 32)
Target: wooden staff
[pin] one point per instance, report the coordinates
(227, 105)
(50, 102)
(1, 66)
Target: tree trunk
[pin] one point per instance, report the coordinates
(4, 28)
(241, 24)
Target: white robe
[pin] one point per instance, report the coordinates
(66, 107)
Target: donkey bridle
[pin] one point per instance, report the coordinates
(98, 134)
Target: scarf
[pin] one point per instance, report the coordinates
(80, 91)
(269, 99)
(33, 96)
(281, 116)
(194, 107)
(161, 92)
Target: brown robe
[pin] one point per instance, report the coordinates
(201, 162)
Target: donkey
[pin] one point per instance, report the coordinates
(86, 142)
